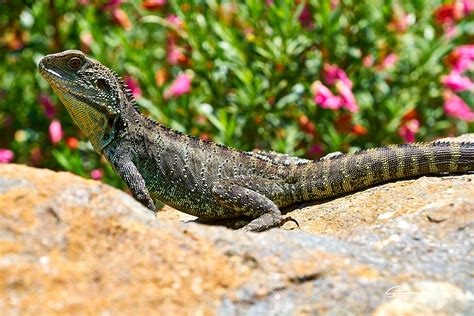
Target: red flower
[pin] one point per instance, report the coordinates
(448, 13)
(316, 150)
(153, 4)
(359, 130)
(306, 17)
(72, 142)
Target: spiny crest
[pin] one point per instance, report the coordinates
(127, 91)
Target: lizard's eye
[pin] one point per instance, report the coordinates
(101, 84)
(74, 63)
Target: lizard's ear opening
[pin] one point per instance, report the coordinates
(102, 85)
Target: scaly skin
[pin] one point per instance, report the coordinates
(213, 181)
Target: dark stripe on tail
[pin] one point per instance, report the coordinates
(368, 168)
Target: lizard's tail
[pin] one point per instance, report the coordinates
(348, 173)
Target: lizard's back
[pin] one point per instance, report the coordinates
(181, 171)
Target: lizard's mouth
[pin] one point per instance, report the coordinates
(53, 75)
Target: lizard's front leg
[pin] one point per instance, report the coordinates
(130, 174)
(240, 195)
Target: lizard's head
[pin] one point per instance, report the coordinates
(93, 95)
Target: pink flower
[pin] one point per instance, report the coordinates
(466, 50)
(456, 82)
(122, 19)
(332, 73)
(468, 6)
(389, 61)
(86, 40)
(132, 84)
(97, 174)
(400, 21)
(348, 99)
(324, 97)
(180, 85)
(6, 155)
(462, 58)
(175, 21)
(454, 106)
(409, 129)
(55, 131)
(47, 104)
(175, 54)
(450, 31)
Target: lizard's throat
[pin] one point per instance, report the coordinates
(92, 122)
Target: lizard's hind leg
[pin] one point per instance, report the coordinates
(241, 197)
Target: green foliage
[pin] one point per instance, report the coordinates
(252, 65)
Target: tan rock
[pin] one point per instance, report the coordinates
(69, 245)
(75, 246)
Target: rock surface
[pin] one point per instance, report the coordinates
(69, 245)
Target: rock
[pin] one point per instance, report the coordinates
(75, 246)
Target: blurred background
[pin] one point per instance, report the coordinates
(301, 77)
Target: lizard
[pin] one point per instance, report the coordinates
(213, 181)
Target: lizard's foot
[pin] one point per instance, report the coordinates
(247, 197)
(264, 222)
